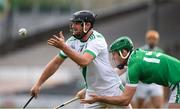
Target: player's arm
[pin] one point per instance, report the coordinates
(50, 69)
(122, 100)
(80, 59)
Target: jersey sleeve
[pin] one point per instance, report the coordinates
(69, 42)
(133, 74)
(94, 47)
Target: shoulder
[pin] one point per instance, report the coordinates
(136, 56)
(96, 36)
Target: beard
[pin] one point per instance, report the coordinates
(77, 34)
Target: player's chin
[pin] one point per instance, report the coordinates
(74, 32)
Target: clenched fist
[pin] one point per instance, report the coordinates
(35, 91)
(81, 94)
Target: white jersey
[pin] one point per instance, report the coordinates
(99, 74)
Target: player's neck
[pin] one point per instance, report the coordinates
(86, 37)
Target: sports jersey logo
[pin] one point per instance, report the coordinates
(151, 60)
(82, 47)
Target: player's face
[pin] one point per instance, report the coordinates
(77, 28)
(152, 42)
(117, 58)
(152, 39)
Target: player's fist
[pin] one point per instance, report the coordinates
(81, 94)
(35, 91)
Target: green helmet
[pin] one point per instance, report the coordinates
(122, 43)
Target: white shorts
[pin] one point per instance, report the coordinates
(175, 93)
(114, 91)
(145, 91)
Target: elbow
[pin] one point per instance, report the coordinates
(119, 100)
(126, 102)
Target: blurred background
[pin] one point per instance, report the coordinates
(22, 59)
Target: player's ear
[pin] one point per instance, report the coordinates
(124, 53)
(88, 25)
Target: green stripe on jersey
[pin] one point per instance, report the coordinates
(90, 52)
(84, 71)
(121, 87)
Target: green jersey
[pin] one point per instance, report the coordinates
(152, 67)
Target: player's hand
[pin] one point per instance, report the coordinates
(93, 99)
(57, 41)
(81, 94)
(35, 91)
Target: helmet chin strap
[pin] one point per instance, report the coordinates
(84, 29)
(124, 57)
(121, 66)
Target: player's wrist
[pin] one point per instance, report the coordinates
(38, 84)
(99, 99)
(64, 47)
